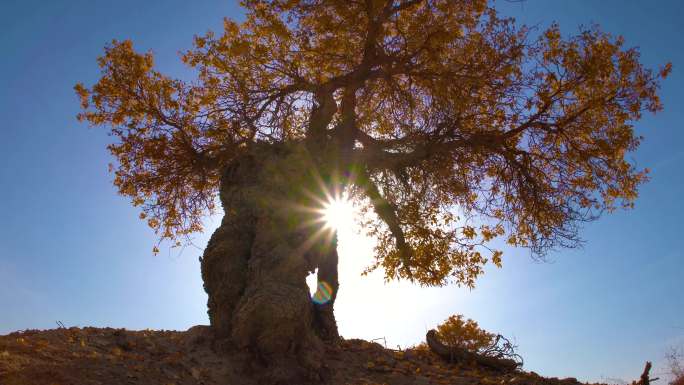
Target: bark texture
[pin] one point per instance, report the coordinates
(325, 324)
(256, 263)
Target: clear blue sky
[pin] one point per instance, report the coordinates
(72, 250)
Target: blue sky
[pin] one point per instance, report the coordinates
(72, 250)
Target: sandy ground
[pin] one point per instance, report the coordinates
(85, 356)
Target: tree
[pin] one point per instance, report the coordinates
(452, 123)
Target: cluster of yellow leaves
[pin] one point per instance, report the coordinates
(162, 151)
(457, 332)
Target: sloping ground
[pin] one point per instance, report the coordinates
(116, 356)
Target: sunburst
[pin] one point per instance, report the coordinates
(338, 213)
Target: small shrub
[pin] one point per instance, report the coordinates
(457, 332)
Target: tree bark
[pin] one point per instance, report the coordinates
(324, 316)
(256, 263)
(225, 260)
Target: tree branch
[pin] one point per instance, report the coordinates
(321, 115)
(387, 212)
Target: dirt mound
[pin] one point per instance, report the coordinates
(88, 356)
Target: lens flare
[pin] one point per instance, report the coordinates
(324, 293)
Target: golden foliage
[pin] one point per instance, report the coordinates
(466, 334)
(458, 125)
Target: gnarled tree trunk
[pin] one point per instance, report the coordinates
(256, 263)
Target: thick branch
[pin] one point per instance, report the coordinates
(321, 115)
(386, 211)
(345, 132)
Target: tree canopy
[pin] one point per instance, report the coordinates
(458, 125)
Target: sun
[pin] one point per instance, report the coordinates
(338, 213)
(337, 216)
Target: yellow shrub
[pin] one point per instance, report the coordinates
(457, 332)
